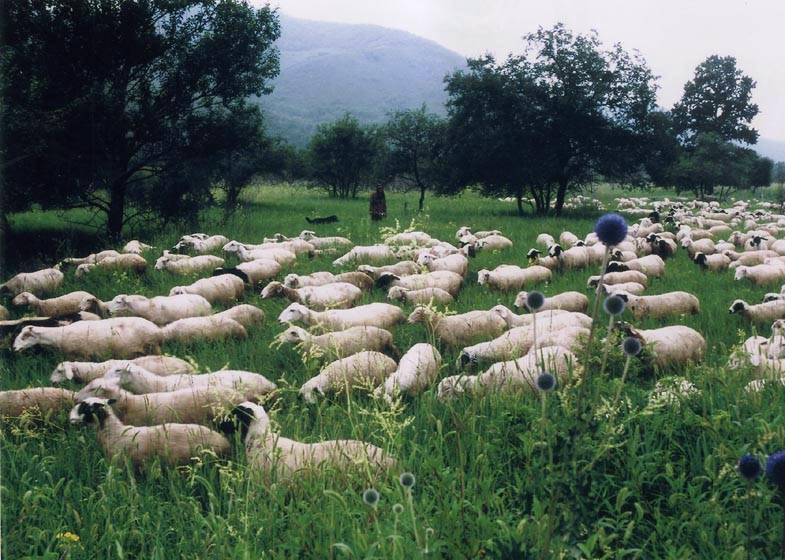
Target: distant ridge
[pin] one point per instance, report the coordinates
(328, 69)
(773, 149)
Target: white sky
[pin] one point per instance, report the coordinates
(674, 36)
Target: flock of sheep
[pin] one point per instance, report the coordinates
(145, 405)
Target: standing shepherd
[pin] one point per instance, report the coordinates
(378, 204)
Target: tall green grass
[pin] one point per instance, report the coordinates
(492, 479)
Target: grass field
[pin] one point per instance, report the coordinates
(503, 476)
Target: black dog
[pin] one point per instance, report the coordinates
(325, 220)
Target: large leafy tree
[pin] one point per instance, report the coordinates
(551, 120)
(717, 100)
(103, 99)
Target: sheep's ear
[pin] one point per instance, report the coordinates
(111, 401)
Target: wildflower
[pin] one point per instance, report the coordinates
(611, 229)
(68, 535)
(631, 346)
(749, 467)
(397, 509)
(775, 468)
(535, 300)
(613, 305)
(407, 480)
(371, 497)
(546, 382)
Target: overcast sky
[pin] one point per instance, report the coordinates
(674, 36)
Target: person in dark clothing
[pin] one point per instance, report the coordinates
(378, 204)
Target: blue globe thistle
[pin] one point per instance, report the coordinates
(397, 509)
(407, 480)
(775, 468)
(631, 346)
(371, 497)
(613, 305)
(546, 382)
(749, 467)
(611, 229)
(535, 300)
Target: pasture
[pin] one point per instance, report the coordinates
(575, 474)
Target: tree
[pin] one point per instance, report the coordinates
(415, 140)
(105, 98)
(778, 173)
(551, 120)
(717, 100)
(342, 156)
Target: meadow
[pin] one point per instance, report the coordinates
(579, 475)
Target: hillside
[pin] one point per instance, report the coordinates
(328, 69)
(774, 149)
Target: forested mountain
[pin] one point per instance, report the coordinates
(328, 69)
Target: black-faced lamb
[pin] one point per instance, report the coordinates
(651, 265)
(252, 272)
(759, 313)
(715, 262)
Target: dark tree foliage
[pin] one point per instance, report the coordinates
(343, 155)
(717, 100)
(551, 120)
(778, 173)
(415, 143)
(108, 100)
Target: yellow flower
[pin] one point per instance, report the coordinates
(68, 535)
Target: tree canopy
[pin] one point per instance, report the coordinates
(104, 98)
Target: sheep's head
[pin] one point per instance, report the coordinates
(178, 290)
(116, 374)
(555, 250)
(418, 315)
(309, 388)
(25, 298)
(250, 416)
(307, 234)
(26, 338)
(100, 387)
(118, 303)
(771, 297)
(231, 247)
(520, 300)
(425, 259)
(778, 327)
(273, 289)
(87, 411)
(396, 293)
(386, 279)
(483, 276)
(291, 281)
(593, 282)
(455, 386)
(295, 312)
(62, 371)
(741, 272)
(293, 335)
(161, 263)
(738, 306)
(462, 232)
(83, 269)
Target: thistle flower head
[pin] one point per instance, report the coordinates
(546, 382)
(775, 468)
(613, 305)
(406, 480)
(371, 497)
(611, 229)
(631, 346)
(535, 300)
(749, 467)
(397, 509)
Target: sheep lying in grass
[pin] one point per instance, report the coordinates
(339, 344)
(673, 346)
(53, 307)
(123, 337)
(280, 459)
(253, 272)
(89, 259)
(568, 301)
(661, 305)
(425, 296)
(367, 368)
(417, 369)
(200, 243)
(174, 444)
(508, 278)
(126, 262)
(161, 309)
(37, 283)
(138, 380)
(382, 315)
(513, 375)
(759, 313)
(446, 280)
(192, 265)
(339, 295)
(457, 330)
(85, 372)
(223, 289)
(44, 400)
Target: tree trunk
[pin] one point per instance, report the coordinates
(561, 194)
(519, 200)
(114, 221)
(422, 196)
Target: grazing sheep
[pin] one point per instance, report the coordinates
(454, 263)
(545, 240)
(359, 279)
(650, 265)
(715, 262)
(85, 372)
(92, 258)
(401, 268)
(574, 258)
(193, 265)
(416, 238)
(367, 368)
(319, 278)
(568, 239)
(137, 247)
(761, 274)
(776, 343)
(515, 320)
(45, 400)
(284, 257)
(673, 346)
(457, 330)
(568, 301)
(448, 281)
(629, 287)
(125, 262)
(324, 242)
(493, 243)
(38, 283)
(200, 243)
(366, 255)
(760, 313)
(253, 272)
(748, 259)
(424, 296)
(92, 304)
(619, 277)
(756, 242)
(416, 370)
(382, 315)
(122, 337)
(280, 459)
(174, 444)
(340, 295)
(211, 327)
(53, 307)
(223, 289)
(512, 375)
(698, 245)
(661, 305)
(508, 278)
(161, 309)
(339, 344)
(139, 381)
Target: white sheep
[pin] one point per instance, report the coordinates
(319, 278)
(457, 330)
(568, 239)
(339, 344)
(45, 401)
(661, 305)
(545, 240)
(191, 265)
(245, 314)
(446, 280)
(611, 278)
(760, 274)
(253, 272)
(283, 256)
(574, 258)
(629, 287)
(160, 309)
(52, 307)
(211, 327)
(493, 243)
(748, 259)
(280, 459)
(174, 444)
(651, 265)
(508, 278)
(200, 243)
(340, 295)
(222, 289)
(401, 268)
(125, 262)
(776, 342)
(455, 263)
(424, 296)
(366, 255)
(673, 346)
(568, 301)
(695, 245)
(752, 346)
(760, 313)
(715, 262)
(366, 368)
(416, 238)
(324, 242)
(38, 283)
(515, 320)
(92, 304)
(122, 337)
(382, 315)
(137, 247)
(417, 369)
(85, 372)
